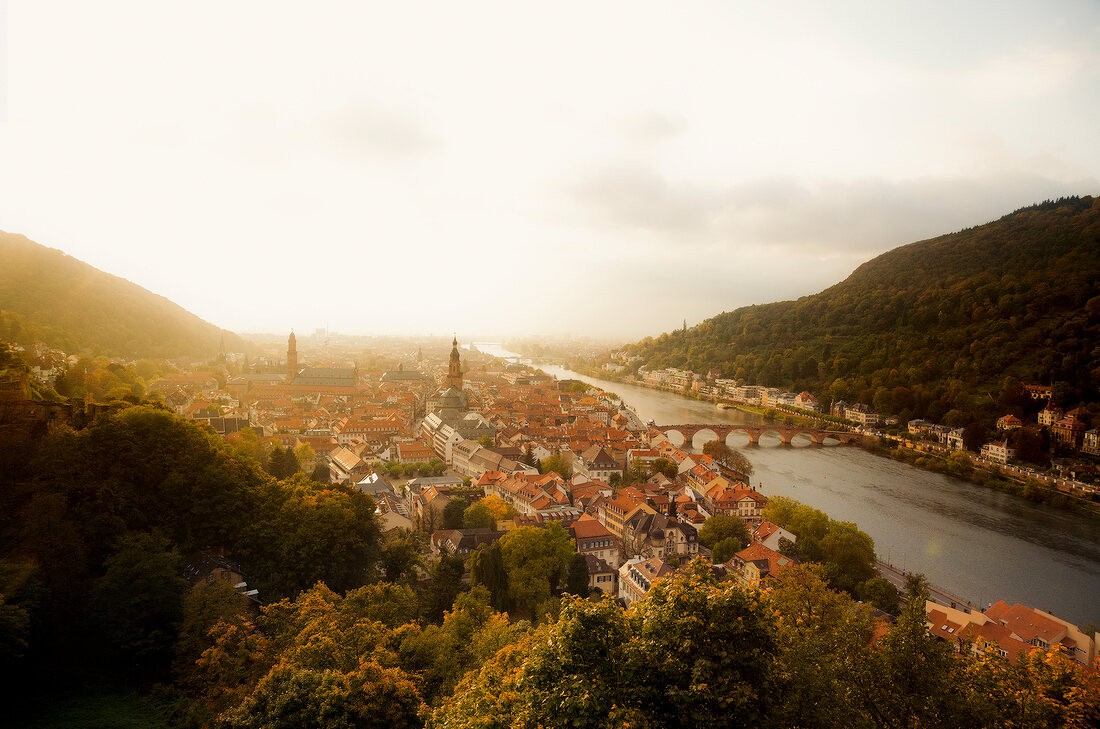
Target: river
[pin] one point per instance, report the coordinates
(979, 544)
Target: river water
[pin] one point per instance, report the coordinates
(976, 543)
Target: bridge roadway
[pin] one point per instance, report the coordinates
(785, 432)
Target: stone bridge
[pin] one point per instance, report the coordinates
(786, 433)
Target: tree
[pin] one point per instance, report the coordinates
(292, 698)
(973, 436)
(453, 512)
(322, 474)
(880, 593)
(529, 457)
(703, 655)
(487, 569)
(477, 516)
(485, 441)
(205, 605)
(137, 602)
(821, 635)
(577, 577)
(500, 510)
(446, 584)
(665, 466)
(401, 555)
(304, 454)
(724, 550)
(560, 463)
(692, 654)
(728, 457)
(720, 527)
(535, 560)
(910, 681)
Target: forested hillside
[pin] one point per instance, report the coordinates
(1016, 297)
(48, 296)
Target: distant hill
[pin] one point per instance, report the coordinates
(49, 296)
(1019, 296)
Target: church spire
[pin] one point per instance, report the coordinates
(291, 358)
(454, 371)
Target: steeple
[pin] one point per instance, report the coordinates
(221, 349)
(454, 371)
(291, 358)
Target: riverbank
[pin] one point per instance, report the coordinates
(1031, 490)
(973, 542)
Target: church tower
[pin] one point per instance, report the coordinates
(454, 371)
(291, 358)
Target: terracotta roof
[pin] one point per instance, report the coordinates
(588, 527)
(1027, 623)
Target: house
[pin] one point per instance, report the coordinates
(973, 632)
(744, 502)
(1050, 415)
(462, 542)
(755, 563)
(416, 451)
(998, 452)
(602, 576)
(862, 414)
(806, 401)
(1070, 432)
(1009, 422)
(1038, 392)
(637, 575)
(613, 513)
(1091, 442)
(1008, 630)
(597, 463)
(530, 494)
(594, 539)
(1044, 630)
(656, 535)
(770, 535)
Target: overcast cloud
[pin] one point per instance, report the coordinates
(498, 167)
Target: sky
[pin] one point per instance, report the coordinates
(608, 169)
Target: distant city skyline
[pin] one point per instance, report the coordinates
(606, 170)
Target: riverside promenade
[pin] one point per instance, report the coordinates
(897, 575)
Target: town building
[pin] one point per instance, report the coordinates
(756, 563)
(602, 576)
(656, 535)
(998, 452)
(596, 463)
(637, 575)
(594, 539)
(1070, 432)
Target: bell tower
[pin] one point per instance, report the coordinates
(454, 371)
(291, 358)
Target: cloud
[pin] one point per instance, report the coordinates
(375, 133)
(827, 218)
(649, 127)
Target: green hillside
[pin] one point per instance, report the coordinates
(48, 296)
(944, 320)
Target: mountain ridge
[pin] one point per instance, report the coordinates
(1018, 296)
(48, 295)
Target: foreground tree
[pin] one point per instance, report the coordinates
(722, 527)
(728, 457)
(692, 654)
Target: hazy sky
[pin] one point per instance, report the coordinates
(594, 167)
